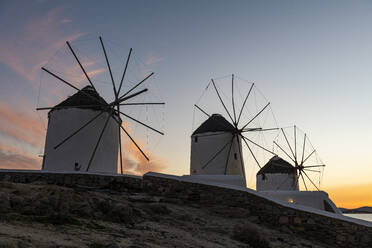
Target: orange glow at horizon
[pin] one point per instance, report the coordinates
(351, 196)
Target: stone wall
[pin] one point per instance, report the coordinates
(332, 231)
(83, 180)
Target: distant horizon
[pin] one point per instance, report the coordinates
(310, 60)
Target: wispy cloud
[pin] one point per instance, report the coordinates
(41, 38)
(91, 73)
(20, 126)
(153, 59)
(65, 21)
(136, 163)
(11, 158)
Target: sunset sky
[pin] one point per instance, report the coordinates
(311, 59)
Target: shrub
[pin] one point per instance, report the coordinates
(250, 234)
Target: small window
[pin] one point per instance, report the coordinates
(196, 139)
(77, 166)
(236, 156)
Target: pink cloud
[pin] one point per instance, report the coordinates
(136, 163)
(91, 74)
(65, 21)
(21, 126)
(11, 158)
(26, 58)
(152, 59)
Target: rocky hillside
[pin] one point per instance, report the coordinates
(40, 215)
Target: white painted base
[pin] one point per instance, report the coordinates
(203, 148)
(276, 181)
(79, 148)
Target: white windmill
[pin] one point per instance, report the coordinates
(281, 180)
(218, 131)
(304, 163)
(277, 174)
(217, 144)
(84, 131)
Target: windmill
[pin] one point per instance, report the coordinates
(306, 163)
(87, 123)
(235, 122)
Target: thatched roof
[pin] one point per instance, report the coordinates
(86, 98)
(215, 123)
(277, 165)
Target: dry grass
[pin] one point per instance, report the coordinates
(251, 234)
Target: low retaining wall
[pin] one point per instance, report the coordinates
(332, 231)
(87, 180)
(337, 231)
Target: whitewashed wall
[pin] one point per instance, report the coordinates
(276, 181)
(314, 199)
(79, 148)
(204, 149)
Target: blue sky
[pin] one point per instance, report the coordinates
(311, 59)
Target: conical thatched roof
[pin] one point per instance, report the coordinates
(277, 165)
(85, 98)
(215, 123)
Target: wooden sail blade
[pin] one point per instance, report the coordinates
(295, 141)
(134, 87)
(120, 150)
(232, 98)
(216, 154)
(72, 86)
(228, 155)
(256, 115)
(81, 66)
(312, 166)
(250, 150)
(259, 129)
(125, 70)
(283, 182)
(310, 180)
(78, 130)
(284, 151)
(130, 137)
(223, 104)
(241, 156)
(98, 142)
(245, 100)
(290, 147)
(211, 134)
(309, 156)
(312, 170)
(134, 142)
(142, 103)
(130, 96)
(67, 107)
(245, 138)
(303, 149)
(109, 67)
(297, 178)
(303, 180)
(61, 79)
(143, 124)
(202, 110)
